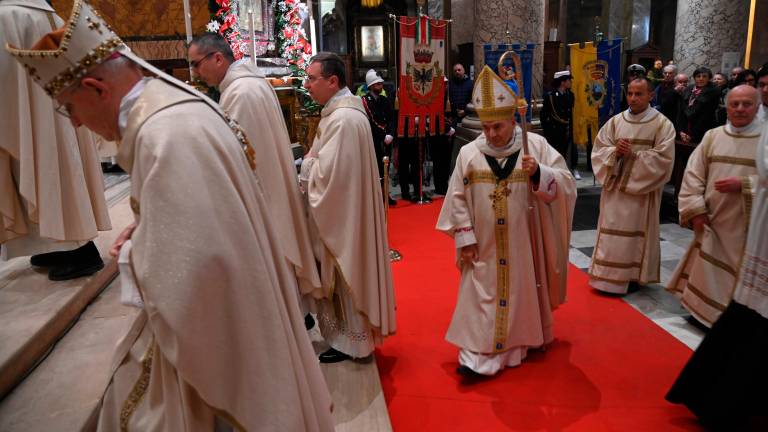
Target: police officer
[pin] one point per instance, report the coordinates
(557, 119)
(379, 111)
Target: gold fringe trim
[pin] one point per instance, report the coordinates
(139, 388)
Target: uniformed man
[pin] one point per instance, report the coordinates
(379, 111)
(557, 119)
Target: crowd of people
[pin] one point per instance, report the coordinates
(231, 253)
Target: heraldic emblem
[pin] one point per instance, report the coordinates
(595, 72)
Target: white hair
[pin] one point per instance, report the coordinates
(670, 68)
(755, 95)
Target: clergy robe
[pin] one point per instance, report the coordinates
(627, 247)
(220, 334)
(51, 187)
(349, 230)
(252, 102)
(500, 312)
(706, 276)
(724, 382)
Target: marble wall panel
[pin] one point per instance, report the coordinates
(641, 23)
(463, 25)
(706, 29)
(145, 18)
(523, 18)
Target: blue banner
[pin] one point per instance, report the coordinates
(610, 53)
(525, 52)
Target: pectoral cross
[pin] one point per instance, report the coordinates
(499, 194)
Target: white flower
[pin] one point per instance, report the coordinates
(213, 26)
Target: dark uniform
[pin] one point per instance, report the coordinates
(557, 122)
(379, 112)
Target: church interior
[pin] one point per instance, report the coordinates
(613, 358)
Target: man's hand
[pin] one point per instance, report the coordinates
(469, 254)
(124, 236)
(685, 137)
(728, 185)
(388, 139)
(698, 223)
(530, 165)
(623, 147)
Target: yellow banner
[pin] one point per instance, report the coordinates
(584, 111)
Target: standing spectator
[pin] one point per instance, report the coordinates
(666, 97)
(735, 73)
(557, 119)
(747, 76)
(459, 93)
(656, 75)
(721, 82)
(379, 112)
(697, 112)
(762, 85)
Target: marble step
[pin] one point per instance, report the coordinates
(64, 391)
(35, 312)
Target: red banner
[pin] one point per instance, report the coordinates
(421, 91)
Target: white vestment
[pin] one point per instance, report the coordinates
(627, 247)
(752, 288)
(500, 312)
(221, 335)
(705, 278)
(51, 187)
(251, 100)
(348, 226)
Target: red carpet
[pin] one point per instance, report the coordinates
(608, 369)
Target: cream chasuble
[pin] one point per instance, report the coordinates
(628, 247)
(500, 312)
(51, 187)
(752, 289)
(221, 334)
(348, 224)
(705, 278)
(251, 100)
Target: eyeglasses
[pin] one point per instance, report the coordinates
(196, 63)
(65, 109)
(312, 78)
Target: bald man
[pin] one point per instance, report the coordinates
(715, 200)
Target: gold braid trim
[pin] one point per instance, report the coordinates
(517, 176)
(746, 195)
(499, 203)
(692, 288)
(717, 263)
(629, 163)
(621, 233)
(95, 57)
(731, 160)
(139, 388)
(687, 215)
(696, 311)
(615, 264)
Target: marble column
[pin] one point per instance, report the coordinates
(523, 18)
(708, 28)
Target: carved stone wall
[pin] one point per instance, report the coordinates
(463, 25)
(145, 18)
(708, 28)
(523, 18)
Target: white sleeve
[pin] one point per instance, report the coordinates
(547, 189)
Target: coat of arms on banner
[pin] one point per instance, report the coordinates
(595, 72)
(421, 91)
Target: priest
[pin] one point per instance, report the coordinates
(346, 211)
(513, 260)
(51, 190)
(251, 101)
(632, 158)
(219, 342)
(715, 199)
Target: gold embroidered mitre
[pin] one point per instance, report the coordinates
(62, 56)
(493, 98)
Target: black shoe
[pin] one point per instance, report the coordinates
(50, 259)
(392, 202)
(467, 372)
(406, 197)
(333, 356)
(309, 322)
(83, 261)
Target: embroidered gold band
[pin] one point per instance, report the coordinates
(621, 233)
(68, 77)
(732, 160)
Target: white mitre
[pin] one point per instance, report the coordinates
(64, 55)
(492, 98)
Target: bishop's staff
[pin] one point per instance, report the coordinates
(394, 255)
(522, 107)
